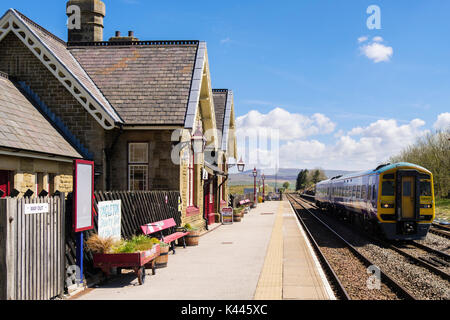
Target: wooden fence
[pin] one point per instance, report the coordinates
(138, 208)
(32, 249)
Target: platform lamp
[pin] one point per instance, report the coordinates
(240, 165)
(255, 174)
(198, 140)
(263, 177)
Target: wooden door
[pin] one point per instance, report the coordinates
(5, 185)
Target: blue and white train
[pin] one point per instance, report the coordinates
(396, 199)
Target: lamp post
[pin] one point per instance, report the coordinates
(264, 186)
(255, 174)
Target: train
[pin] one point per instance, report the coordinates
(396, 200)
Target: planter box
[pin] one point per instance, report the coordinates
(138, 261)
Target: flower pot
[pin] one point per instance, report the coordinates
(163, 259)
(192, 238)
(237, 218)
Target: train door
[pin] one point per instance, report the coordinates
(408, 197)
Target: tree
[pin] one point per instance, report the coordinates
(286, 185)
(317, 176)
(432, 152)
(302, 180)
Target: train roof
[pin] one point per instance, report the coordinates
(378, 170)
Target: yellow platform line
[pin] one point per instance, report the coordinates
(270, 285)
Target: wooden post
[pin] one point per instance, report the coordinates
(9, 217)
(3, 236)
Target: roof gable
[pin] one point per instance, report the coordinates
(53, 53)
(224, 105)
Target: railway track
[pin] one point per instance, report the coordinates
(440, 230)
(346, 267)
(434, 261)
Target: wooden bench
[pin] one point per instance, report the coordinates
(159, 226)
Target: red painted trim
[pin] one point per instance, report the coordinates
(191, 211)
(75, 166)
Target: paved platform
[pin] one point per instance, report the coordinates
(264, 257)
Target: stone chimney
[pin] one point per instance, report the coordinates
(119, 38)
(90, 22)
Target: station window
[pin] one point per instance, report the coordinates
(138, 166)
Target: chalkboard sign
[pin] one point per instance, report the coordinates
(227, 215)
(83, 188)
(109, 219)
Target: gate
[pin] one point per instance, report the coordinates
(32, 248)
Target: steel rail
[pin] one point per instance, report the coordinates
(388, 279)
(421, 262)
(439, 231)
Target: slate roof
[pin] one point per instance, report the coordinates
(146, 83)
(220, 104)
(223, 101)
(136, 83)
(23, 127)
(59, 49)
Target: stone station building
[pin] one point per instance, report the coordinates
(130, 106)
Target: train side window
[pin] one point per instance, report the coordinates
(363, 192)
(374, 193)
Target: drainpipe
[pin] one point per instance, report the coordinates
(205, 187)
(223, 182)
(108, 156)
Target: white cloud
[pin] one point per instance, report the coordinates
(443, 122)
(377, 39)
(376, 51)
(362, 39)
(360, 148)
(226, 40)
(291, 126)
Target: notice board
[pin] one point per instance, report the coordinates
(83, 200)
(227, 215)
(109, 219)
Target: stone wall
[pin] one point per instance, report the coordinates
(163, 173)
(21, 64)
(24, 171)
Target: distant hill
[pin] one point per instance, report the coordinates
(290, 175)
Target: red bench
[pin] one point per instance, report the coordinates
(159, 226)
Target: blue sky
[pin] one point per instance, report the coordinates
(304, 58)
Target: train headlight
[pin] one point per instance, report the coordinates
(426, 206)
(387, 205)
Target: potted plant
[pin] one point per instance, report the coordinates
(163, 259)
(193, 237)
(237, 215)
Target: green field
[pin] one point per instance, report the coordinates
(443, 209)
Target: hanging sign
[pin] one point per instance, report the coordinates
(205, 175)
(109, 219)
(227, 215)
(83, 200)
